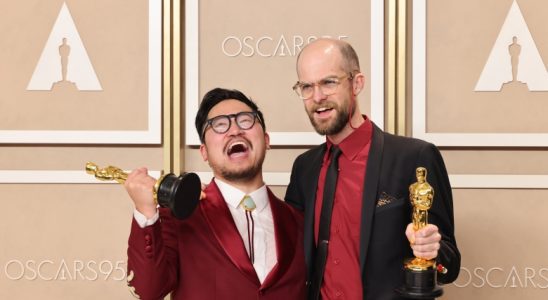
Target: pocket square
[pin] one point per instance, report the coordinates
(385, 199)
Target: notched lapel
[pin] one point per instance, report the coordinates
(310, 179)
(369, 198)
(222, 225)
(312, 175)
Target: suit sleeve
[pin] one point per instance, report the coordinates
(153, 257)
(441, 213)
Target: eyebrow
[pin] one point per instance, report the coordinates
(324, 78)
(234, 114)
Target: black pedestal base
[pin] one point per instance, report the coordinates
(181, 194)
(420, 285)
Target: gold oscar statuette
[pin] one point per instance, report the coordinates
(106, 174)
(181, 194)
(421, 195)
(420, 273)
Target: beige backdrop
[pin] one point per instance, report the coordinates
(499, 231)
(68, 241)
(115, 36)
(252, 46)
(460, 36)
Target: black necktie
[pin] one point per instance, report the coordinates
(330, 186)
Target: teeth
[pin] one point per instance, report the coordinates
(236, 143)
(322, 109)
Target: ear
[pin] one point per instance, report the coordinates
(267, 140)
(359, 82)
(203, 151)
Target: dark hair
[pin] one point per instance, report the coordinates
(216, 96)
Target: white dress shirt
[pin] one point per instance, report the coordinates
(264, 239)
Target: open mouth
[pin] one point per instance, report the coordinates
(237, 148)
(322, 111)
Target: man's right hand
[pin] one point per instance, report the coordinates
(139, 185)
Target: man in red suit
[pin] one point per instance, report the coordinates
(241, 242)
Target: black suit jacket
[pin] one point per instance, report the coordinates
(386, 209)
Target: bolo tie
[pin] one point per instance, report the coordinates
(249, 205)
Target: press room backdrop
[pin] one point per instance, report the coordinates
(118, 82)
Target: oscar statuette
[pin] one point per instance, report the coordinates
(181, 194)
(420, 273)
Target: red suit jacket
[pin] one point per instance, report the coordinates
(203, 257)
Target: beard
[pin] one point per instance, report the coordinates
(240, 174)
(336, 125)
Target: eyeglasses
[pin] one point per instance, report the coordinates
(220, 124)
(328, 86)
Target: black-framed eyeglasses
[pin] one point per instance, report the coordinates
(220, 124)
(328, 86)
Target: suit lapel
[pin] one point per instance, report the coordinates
(311, 178)
(286, 239)
(219, 219)
(369, 197)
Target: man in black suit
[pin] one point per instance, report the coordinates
(370, 232)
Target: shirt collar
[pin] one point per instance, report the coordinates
(356, 141)
(234, 196)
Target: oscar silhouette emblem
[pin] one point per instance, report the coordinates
(420, 273)
(181, 194)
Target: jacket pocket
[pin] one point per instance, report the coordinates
(387, 202)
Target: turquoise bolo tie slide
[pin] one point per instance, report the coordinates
(248, 204)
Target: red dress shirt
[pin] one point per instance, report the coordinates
(342, 277)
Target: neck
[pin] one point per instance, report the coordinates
(356, 120)
(246, 185)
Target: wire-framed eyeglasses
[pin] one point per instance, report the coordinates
(328, 86)
(220, 124)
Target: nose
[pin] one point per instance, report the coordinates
(234, 129)
(318, 95)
